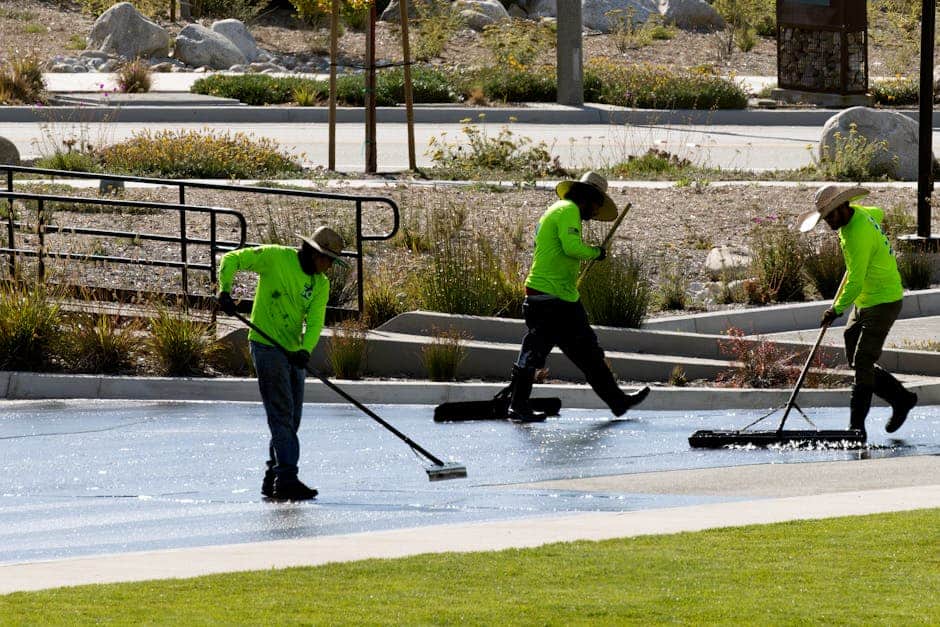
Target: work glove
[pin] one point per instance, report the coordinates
(829, 316)
(299, 359)
(226, 304)
(603, 255)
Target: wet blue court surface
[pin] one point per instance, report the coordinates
(93, 477)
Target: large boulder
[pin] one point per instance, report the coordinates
(392, 12)
(725, 263)
(122, 30)
(540, 8)
(594, 13)
(691, 14)
(9, 155)
(899, 157)
(237, 33)
(198, 46)
(478, 14)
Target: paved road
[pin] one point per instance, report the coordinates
(728, 147)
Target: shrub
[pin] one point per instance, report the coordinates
(617, 292)
(825, 267)
(777, 262)
(98, 343)
(480, 156)
(21, 81)
(245, 10)
(351, 11)
(29, 328)
(197, 154)
(150, 8)
(916, 269)
(851, 157)
(436, 24)
(511, 84)
(673, 286)
(179, 345)
(678, 377)
(428, 84)
(656, 87)
(71, 160)
(517, 43)
(629, 33)
(134, 77)
(381, 304)
(895, 92)
(252, 89)
(760, 364)
(343, 287)
(347, 351)
(655, 163)
(442, 357)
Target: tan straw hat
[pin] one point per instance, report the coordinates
(608, 211)
(327, 241)
(827, 199)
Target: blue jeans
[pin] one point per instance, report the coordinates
(282, 392)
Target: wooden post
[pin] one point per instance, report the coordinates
(409, 99)
(172, 10)
(925, 120)
(371, 160)
(334, 50)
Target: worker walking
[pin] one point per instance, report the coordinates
(290, 306)
(552, 308)
(873, 285)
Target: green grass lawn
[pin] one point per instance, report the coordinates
(882, 569)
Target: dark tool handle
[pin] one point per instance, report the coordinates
(606, 242)
(809, 358)
(414, 445)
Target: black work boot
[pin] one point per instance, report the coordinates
(267, 484)
(859, 405)
(519, 408)
(290, 488)
(901, 400)
(630, 400)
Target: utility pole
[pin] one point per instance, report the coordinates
(925, 122)
(569, 60)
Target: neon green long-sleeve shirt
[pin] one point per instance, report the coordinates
(872, 270)
(559, 252)
(289, 305)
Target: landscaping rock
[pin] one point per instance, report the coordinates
(122, 30)
(198, 46)
(238, 34)
(594, 12)
(392, 12)
(899, 160)
(478, 14)
(691, 14)
(727, 262)
(9, 155)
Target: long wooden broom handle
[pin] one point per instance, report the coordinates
(605, 243)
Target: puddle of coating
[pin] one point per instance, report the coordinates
(93, 477)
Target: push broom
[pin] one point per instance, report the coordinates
(497, 407)
(438, 472)
(747, 436)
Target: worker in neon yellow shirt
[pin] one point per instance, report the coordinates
(552, 309)
(290, 306)
(873, 285)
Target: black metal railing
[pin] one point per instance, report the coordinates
(182, 186)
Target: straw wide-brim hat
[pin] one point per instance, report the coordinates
(327, 241)
(827, 199)
(608, 211)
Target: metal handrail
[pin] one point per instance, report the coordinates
(359, 200)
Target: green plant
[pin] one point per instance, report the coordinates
(512, 84)
(517, 43)
(381, 302)
(778, 254)
(99, 343)
(197, 154)
(437, 22)
(677, 377)
(895, 92)
(71, 160)
(916, 269)
(629, 33)
(21, 81)
(442, 357)
(34, 28)
(76, 42)
(655, 164)
(657, 87)
(246, 11)
(826, 267)
(150, 8)
(480, 156)
(134, 77)
(743, 20)
(617, 292)
(343, 288)
(29, 327)
(851, 157)
(347, 352)
(673, 285)
(180, 345)
(306, 96)
(316, 12)
(758, 364)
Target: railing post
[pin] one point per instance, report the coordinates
(41, 232)
(360, 288)
(184, 256)
(10, 230)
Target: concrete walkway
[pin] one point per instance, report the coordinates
(768, 501)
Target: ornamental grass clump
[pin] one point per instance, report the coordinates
(134, 77)
(347, 351)
(197, 154)
(658, 87)
(29, 328)
(443, 356)
(850, 158)
(758, 364)
(21, 81)
(778, 256)
(825, 267)
(100, 343)
(180, 345)
(616, 292)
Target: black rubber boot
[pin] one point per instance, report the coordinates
(267, 484)
(901, 400)
(630, 400)
(519, 409)
(859, 405)
(290, 488)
